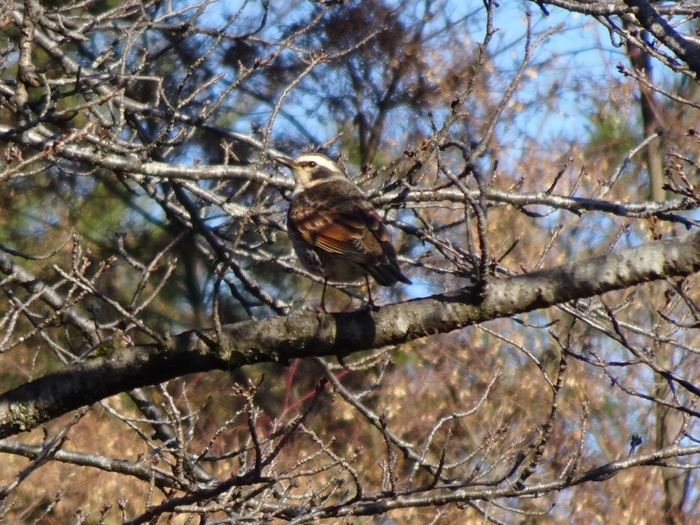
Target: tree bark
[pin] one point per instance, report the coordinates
(119, 367)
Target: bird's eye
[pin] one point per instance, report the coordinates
(312, 164)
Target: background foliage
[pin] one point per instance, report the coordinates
(138, 199)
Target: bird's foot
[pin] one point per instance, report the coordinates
(370, 306)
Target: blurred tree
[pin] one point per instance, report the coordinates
(512, 152)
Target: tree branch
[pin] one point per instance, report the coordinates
(308, 334)
(649, 19)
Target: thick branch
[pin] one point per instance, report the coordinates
(306, 334)
(121, 163)
(649, 19)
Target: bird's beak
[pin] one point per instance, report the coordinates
(285, 161)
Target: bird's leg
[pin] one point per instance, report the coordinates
(323, 296)
(370, 301)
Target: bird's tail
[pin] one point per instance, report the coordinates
(387, 274)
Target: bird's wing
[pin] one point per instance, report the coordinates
(351, 228)
(345, 223)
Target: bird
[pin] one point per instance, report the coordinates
(333, 228)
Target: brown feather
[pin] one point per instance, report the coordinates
(334, 228)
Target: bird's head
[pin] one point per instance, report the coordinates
(310, 169)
